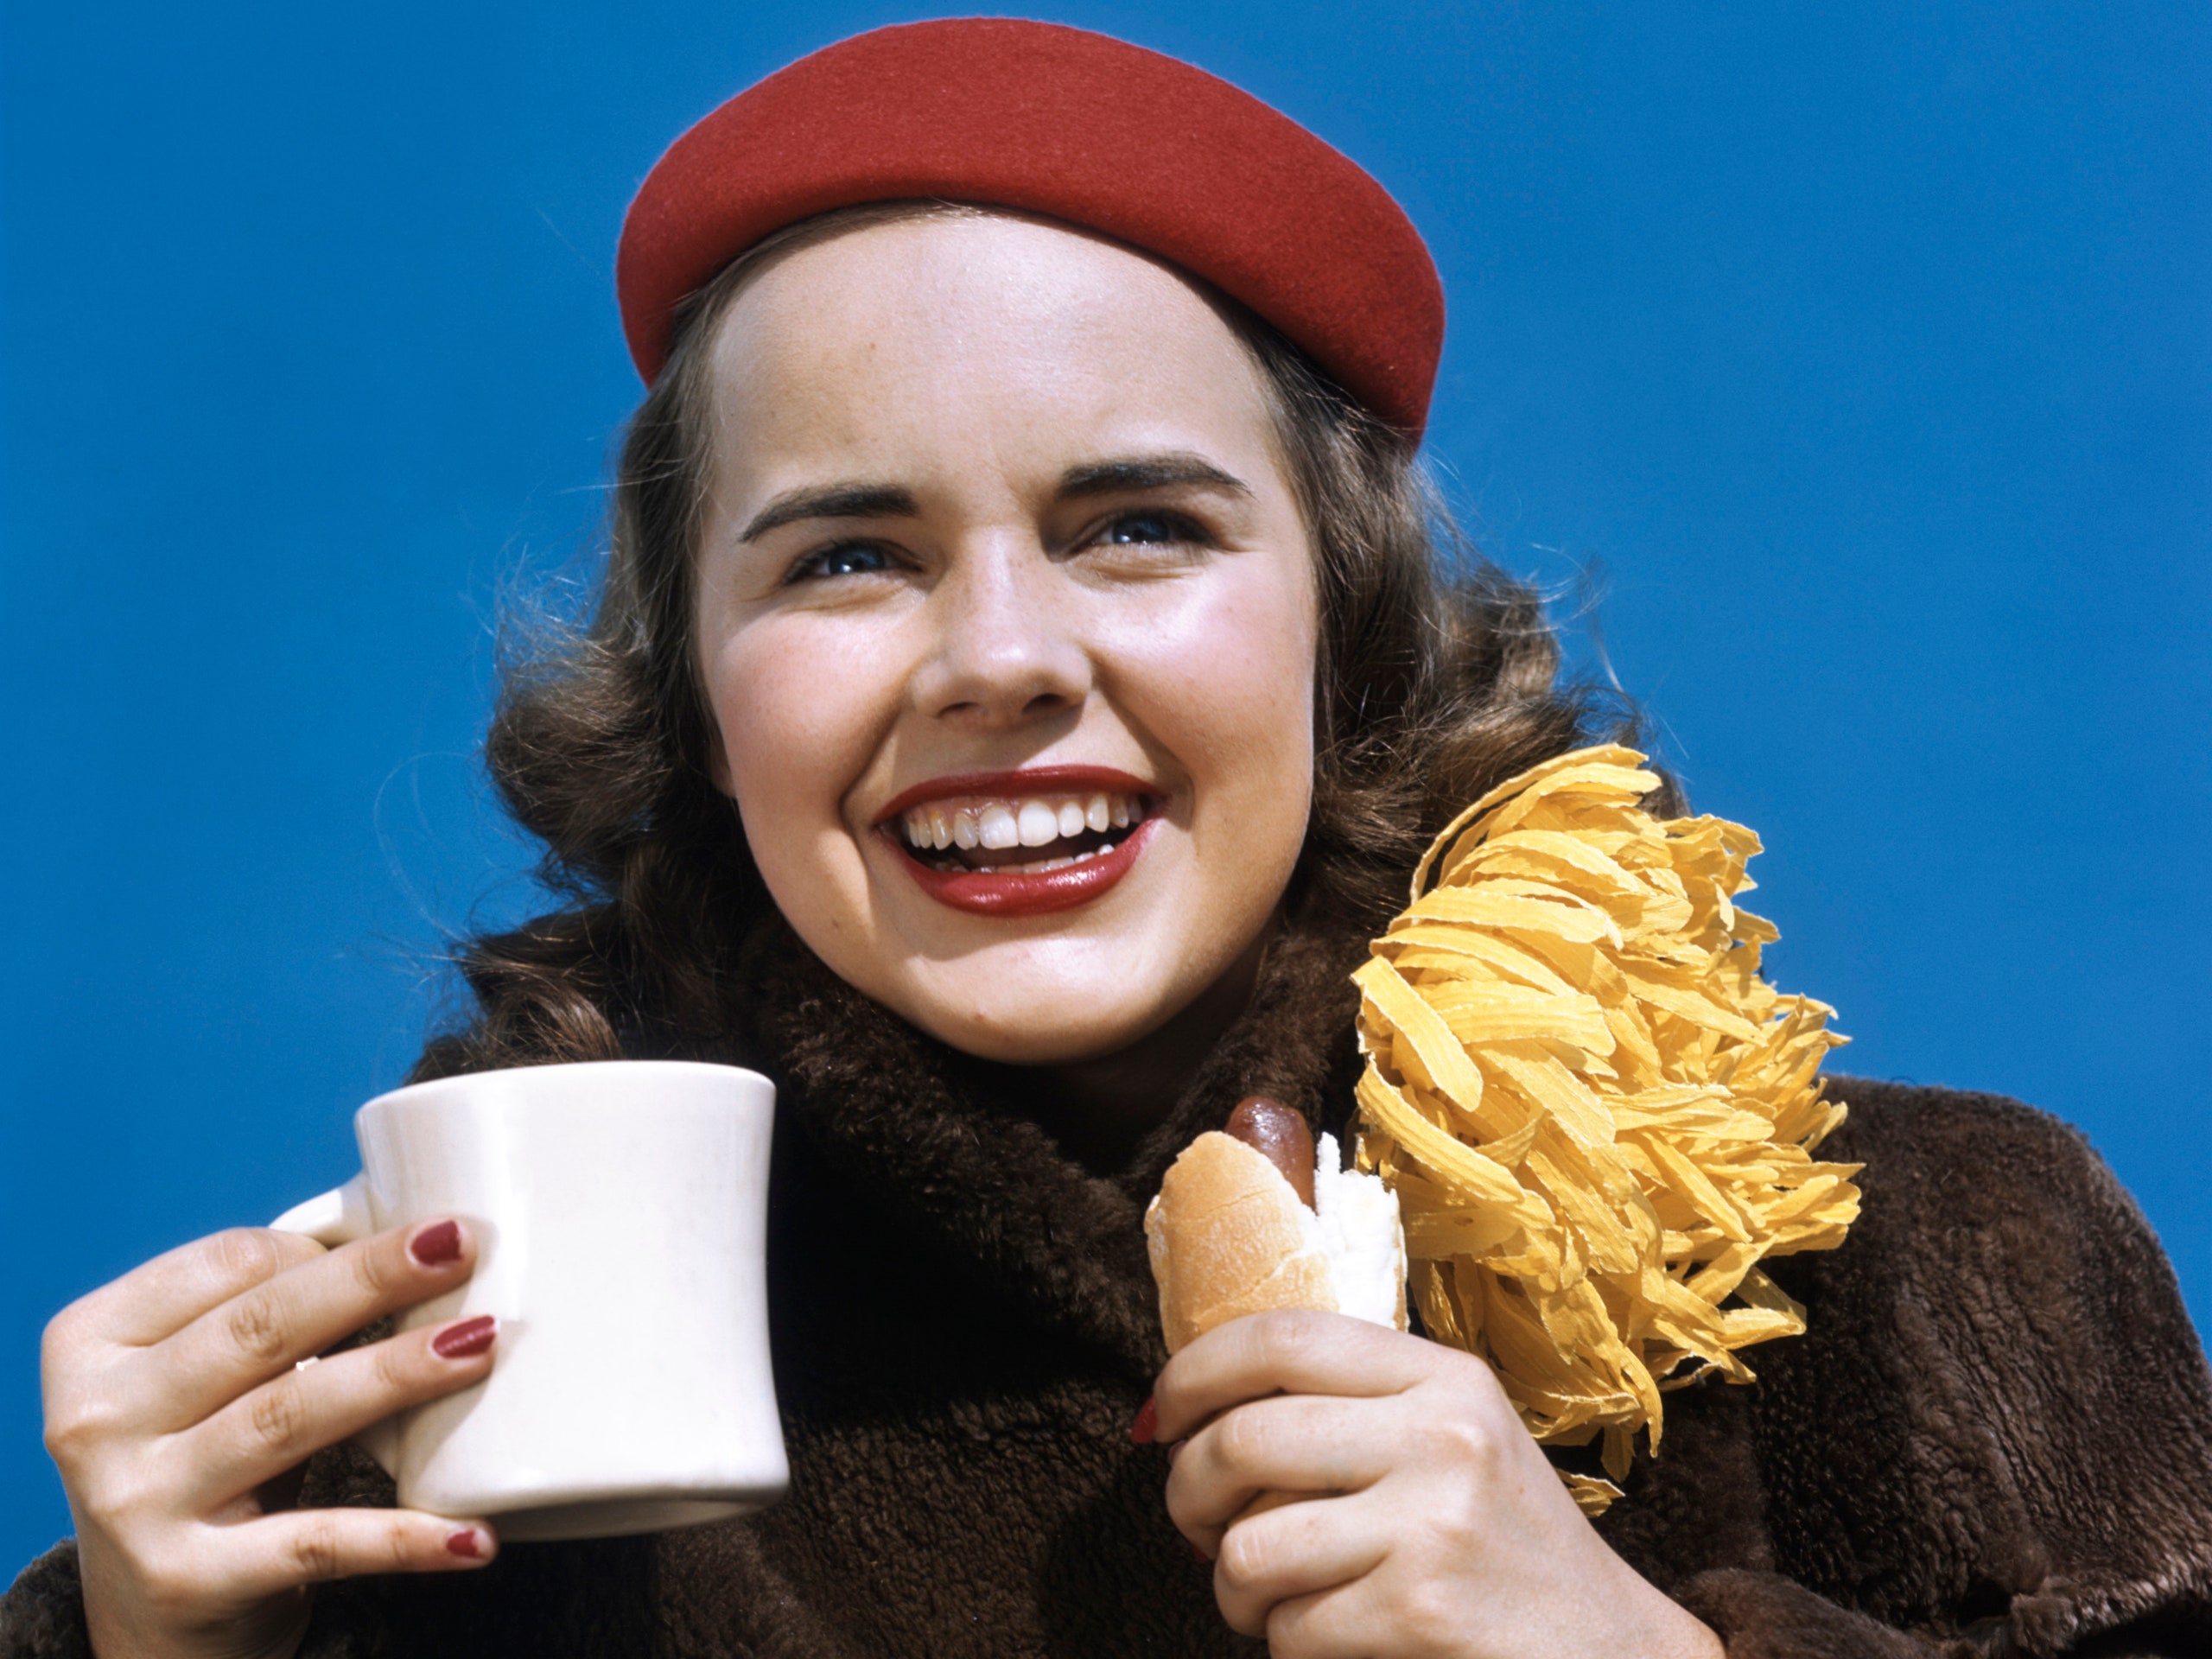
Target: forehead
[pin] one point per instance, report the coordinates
(928, 335)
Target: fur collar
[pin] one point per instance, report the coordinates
(923, 1139)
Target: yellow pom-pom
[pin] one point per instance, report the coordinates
(1597, 1118)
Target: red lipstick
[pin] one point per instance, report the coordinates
(1013, 891)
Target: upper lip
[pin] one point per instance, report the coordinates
(1031, 781)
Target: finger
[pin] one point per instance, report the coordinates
(1337, 1622)
(1299, 1549)
(1295, 1351)
(279, 1424)
(271, 1327)
(267, 1556)
(163, 1296)
(1300, 1443)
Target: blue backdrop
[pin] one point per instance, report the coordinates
(1865, 348)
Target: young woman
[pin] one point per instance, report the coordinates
(1025, 676)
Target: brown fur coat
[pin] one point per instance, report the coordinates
(1996, 1439)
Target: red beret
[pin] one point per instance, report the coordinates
(1071, 124)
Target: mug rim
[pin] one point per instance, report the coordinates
(430, 1086)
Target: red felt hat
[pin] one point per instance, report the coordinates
(1071, 124)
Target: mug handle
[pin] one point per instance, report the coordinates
(332, 1218)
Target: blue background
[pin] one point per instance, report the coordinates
(1866, 348)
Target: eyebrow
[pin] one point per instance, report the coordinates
(1113, 477)
(833, 501)
(1147, 472)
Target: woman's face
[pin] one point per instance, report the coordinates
(1007, 620)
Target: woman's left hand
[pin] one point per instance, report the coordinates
(1439, 1526)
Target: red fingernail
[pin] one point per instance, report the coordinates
(436, 1244)
(465, 1545)
(467, 1340)
(1147, 1425)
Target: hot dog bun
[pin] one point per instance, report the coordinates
(1229, 1236)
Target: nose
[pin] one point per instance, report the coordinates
(1005, 647)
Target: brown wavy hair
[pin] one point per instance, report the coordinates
(1438, 677)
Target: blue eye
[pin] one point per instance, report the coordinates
(1142, 529)
(845, 559)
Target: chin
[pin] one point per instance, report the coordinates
(1038, 1030)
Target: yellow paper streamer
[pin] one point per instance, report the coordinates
(1596, 1116)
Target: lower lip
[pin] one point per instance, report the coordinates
(1012, 893)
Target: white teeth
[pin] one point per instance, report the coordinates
(1065, 863)
(996, 826)
(1039, 825)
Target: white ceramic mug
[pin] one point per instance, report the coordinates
(620, 1215)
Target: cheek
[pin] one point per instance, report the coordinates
(1231, 688)
(790, 753)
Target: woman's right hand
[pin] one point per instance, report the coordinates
(176, 1408)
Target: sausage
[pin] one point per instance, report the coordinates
(1270, 1128)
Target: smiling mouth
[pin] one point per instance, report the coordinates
(1029, 835)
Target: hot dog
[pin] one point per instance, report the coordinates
(1256, 1218)
(1278, 1135)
